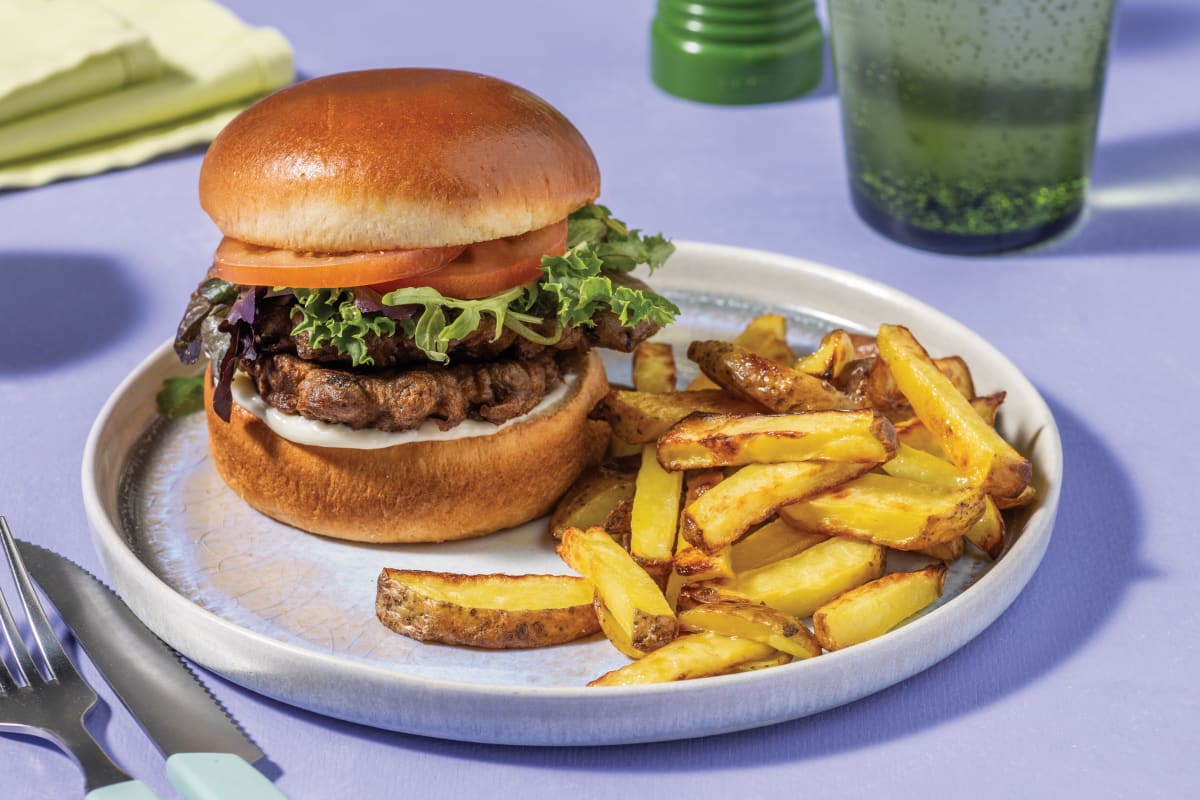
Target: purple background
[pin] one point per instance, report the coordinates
(1082, 688)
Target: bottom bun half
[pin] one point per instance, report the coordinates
(428, 491)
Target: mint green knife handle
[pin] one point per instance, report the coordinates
(218, 776)
(126, 790)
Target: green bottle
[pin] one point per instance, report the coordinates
(736, 52)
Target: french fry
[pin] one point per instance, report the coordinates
(765, 335)
(947, 551)
(654, 367)
(777, 660)
(615, 634)
(972, 444)
(885, 395)
(956, 369)
(755, 492)
(877, 607)
(696, 655)
(988, 533)
(925, 467)
(641, 417)
(864, 345)
(618, 448)
(913, 432)
(829, 360)
(771, 542)
(781, 631)
(894, 512)
(654, 522)
(654, 372)
(1024, 498)
(590, 499)
(759, 380)
(694, 564)
(800, 584)
(490, 611)
(719, 440)
(769, 498)
(619, 523)
(691, 562)
(635, 601)
(713, 591)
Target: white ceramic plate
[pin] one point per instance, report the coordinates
(291, 615)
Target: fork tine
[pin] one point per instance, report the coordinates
(25, 667)
(8, 683)
(47, 641)
(57, 707)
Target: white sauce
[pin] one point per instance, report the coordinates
(301, 430)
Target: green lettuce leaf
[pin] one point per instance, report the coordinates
(432, 331)
(575, 287)
(620, 248)
(579, 285)
(180, 396)
(330, 316)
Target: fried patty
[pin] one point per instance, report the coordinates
(489, 377)
(402, 399)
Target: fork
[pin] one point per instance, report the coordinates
(53, 706)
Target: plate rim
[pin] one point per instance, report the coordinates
(140, 587)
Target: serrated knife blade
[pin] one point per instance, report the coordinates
(177, 712)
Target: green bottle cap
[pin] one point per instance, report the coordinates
(736, 52)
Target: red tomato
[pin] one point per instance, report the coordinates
(491, 267)
(251, 265)
(467, 272)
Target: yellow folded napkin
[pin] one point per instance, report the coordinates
(91, 85)
(53, 53)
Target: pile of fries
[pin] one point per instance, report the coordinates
(746, 521)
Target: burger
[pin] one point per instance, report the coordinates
(401, 320)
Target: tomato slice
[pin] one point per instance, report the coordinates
(467, 272)
(489, 268)
(250, 265)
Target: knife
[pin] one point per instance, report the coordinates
(208, 756)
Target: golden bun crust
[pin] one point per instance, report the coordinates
(419, 492)
(395, 158)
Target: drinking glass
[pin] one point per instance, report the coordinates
(969, 125)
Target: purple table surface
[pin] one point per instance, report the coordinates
(1081, 689)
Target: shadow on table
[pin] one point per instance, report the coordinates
(1145, 197)
(1145, 194)
(1150, 28)
(58, 307)
(1092, 559)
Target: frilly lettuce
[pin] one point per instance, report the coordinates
(579, 286)
(433, 330)
(618, 247)
(574, 287)
(330, 316)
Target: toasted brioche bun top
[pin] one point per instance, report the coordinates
(395, 159)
